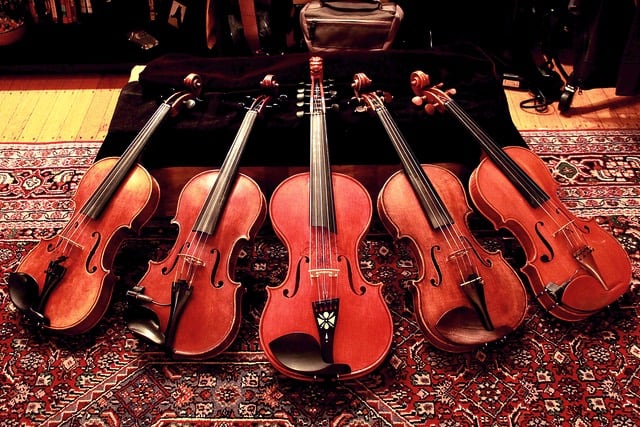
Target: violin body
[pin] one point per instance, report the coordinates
(325, 321)
(65, 284)
(465, 296)
(210, 319)
(563, 285)
(364, 328)
(84, 292)
(575, 268)
(446, 315)
(190, 303)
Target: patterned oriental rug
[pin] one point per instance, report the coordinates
(546, 373)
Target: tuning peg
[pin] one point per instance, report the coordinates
(189, 103)
(418, 100)
(430, 109)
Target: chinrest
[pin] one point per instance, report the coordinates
(301, 353)
(144, 322)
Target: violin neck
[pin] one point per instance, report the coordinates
(103, 194)
(321, 201)
(429, 199)
(214, 205)
(527, 187)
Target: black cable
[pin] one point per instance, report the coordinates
(539, 102)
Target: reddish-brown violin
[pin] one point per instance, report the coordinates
(65, 283)
(191, 303)
(464, 296)
(575, 268)
(325, 321)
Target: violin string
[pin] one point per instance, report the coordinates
(98, 196)
(319, 227)
(208, 219)
(527, 183)
(449, 230)
(330, 226)
(206, 224)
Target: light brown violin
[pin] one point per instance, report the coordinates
(325, 321)
(465, 296)
(191, 304)
(65, 283)
(575, 268)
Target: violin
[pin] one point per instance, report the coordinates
(465, 296)
(190, 302)
(575, 268)
(324, 321)
(65, 283)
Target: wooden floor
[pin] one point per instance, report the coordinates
(47, 108)
(598, 108)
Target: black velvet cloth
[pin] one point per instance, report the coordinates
(202, 136)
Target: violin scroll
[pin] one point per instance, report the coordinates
(368, 101)
(432, 97)
(186, 98)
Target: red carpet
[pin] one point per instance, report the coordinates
(545, 373)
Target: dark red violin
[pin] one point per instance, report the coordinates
(65, 282)
(191, 304)
(465, 296)
(575, 268)
(325, 321)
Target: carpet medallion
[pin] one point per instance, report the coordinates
(546, 373)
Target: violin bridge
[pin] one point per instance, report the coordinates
(193, 260)
(68, 240)
(561, 229)
(317, 272)
(458, 254)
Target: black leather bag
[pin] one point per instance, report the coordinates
(329, 25)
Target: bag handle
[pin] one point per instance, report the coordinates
(353, 6)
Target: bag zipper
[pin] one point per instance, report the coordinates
(314, 22)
